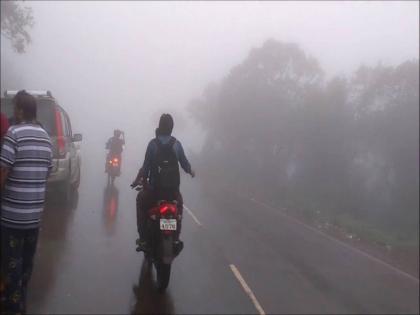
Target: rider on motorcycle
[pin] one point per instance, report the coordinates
(158, 184)
(115, 146)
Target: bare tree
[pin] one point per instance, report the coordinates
(16, 21)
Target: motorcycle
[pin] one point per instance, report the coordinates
(113, 168)
(162, 230)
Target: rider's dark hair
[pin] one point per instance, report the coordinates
(27, 103)
(166, 124)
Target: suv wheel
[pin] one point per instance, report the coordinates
(76, 184)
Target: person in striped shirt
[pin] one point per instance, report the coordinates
(25, 163)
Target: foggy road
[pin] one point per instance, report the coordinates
(87, 263)
(316, 114)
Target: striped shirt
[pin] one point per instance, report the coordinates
(27, 154)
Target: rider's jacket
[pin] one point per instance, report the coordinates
(115, 145)
(148, 165)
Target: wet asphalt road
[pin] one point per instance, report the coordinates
(86, 260)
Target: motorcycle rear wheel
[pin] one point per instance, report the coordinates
(163, 273)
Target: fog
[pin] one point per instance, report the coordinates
(297, 111)
(119, 60)
(121, 64)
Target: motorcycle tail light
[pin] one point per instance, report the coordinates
(114, 162)
(167, 208)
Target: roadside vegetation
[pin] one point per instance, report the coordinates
(343, 150)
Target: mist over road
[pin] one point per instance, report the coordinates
(308, 106)
(87, 263)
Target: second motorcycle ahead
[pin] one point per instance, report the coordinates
(115, 146)
(113, 168)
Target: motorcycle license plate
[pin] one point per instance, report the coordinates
(168, 224)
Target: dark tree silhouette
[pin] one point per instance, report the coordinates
(348, 146)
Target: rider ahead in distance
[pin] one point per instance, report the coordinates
(115, 146)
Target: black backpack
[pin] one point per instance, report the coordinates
(168, 177)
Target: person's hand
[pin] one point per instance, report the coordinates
(136, 183)
(192, 173)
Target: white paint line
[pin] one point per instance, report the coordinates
(247, 289)
(193, 216)
(377, 260)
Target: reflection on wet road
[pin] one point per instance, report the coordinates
(110, 208)
(87, 263)
(86, 260)
(150, 301)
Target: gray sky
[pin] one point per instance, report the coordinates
(141, 56)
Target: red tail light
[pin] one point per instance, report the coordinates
(167, 209)
(60, 134)
(114, 162)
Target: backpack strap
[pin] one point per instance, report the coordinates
(172, 141)
(158, 143)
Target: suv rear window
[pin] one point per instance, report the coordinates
(45, 113)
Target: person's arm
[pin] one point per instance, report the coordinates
(185, 164)
(7, 156)
(139, 177)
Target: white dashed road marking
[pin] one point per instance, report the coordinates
(247, 289)
(193, 216)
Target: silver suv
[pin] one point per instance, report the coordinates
(65, 175)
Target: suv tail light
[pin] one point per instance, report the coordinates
(60, 135)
